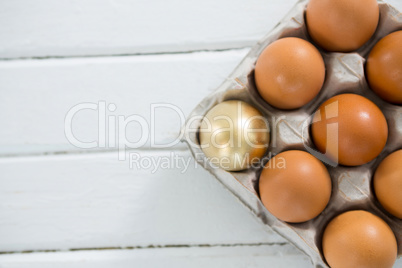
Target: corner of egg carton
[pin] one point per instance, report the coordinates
(352, 187)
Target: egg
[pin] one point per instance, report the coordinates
(359, 239)
(388, 183)
(384, 68)
(289, 73)
(234, 135)
(295, 186)
(342, 25)
(349, 129)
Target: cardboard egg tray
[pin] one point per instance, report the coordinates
(351, 186)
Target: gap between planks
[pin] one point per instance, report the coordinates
(178, 148)
(236, 48)
(148, 247)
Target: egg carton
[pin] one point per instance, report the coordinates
(351, 186)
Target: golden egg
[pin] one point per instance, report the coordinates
(384, 68)
(359, 239)
(342, 25)
(234, 135)
(289, 73)
(388, 183)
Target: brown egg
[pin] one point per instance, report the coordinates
(295, 186)
(359, 239)
(234, 135)
(342, 25)
(349, 129)
(289, 73)
(384, 68)
(388, 183)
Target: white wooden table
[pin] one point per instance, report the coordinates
(62, 206)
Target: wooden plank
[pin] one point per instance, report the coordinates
(94, 200)
(101, 27)
(213, 257)
(41, 28)
(36, 96)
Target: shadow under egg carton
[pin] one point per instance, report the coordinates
(351, 186)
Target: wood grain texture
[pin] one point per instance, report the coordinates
(36, 95)
(278, 256)
(45, 28)
(213, 257)
(101, 27)
(94, 200)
